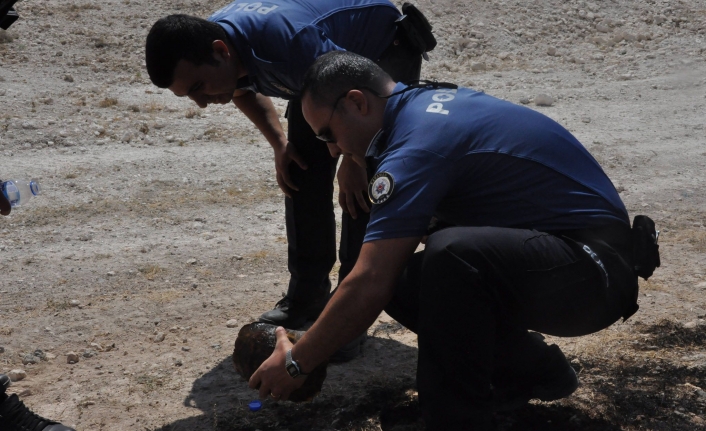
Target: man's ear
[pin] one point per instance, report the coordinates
(359, 100)
(220, 49)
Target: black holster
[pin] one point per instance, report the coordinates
(416, 28)
(644, 246)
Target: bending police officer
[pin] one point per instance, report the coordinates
(249, 52)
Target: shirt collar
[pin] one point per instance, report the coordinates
(374, 146)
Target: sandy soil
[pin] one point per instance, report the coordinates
(159, 218)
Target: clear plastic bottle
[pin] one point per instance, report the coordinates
(19, 192)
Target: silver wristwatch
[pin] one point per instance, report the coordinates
(292, 366)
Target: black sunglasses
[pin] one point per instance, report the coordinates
(325, 134)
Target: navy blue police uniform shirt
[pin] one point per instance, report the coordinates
(278, 40)
(474, 160)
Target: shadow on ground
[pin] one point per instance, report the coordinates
(222, 396)
(633, 392)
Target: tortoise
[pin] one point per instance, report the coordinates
(256, 342)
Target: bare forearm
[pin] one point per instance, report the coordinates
(358, 300)
(260, 110)
(351, 311)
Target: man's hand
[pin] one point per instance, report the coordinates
(260, 110)
(352, 185)
(272, 376)
(284, 155)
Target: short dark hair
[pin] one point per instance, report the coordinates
(337, 71)
(179, 37)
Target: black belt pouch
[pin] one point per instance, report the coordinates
(644, 245)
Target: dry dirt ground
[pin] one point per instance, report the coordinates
(158, 217)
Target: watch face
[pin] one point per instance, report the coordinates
(292, 370)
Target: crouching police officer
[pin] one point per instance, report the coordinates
(541, 241)
(248, 52)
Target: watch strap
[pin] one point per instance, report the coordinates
(292, 366)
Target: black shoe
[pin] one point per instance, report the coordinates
(350, 350)
(4, 384)
(293, 315)
(557, 381)
(15, 416)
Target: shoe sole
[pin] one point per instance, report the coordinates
(566, 387)
(556, 393)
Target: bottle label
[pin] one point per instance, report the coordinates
(12, 193)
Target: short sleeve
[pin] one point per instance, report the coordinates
(289, 56)
(419, 179)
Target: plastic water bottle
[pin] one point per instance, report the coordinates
(19, 192)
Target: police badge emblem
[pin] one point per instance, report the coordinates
(380, 187)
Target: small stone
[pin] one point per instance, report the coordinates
(29, 359)
(71, 358)
(68, 78)
(504, 55)
(191, 261)
(17, 375)
(478, 66)
(89, 353)
(185, 348)
(691, 325)
(525, 100)
(232, 323)
(110, 273)
(603, 28)
(586, 119)
(75, 302)
(2, 349)
(543, 100)
(551, 51)
(159, 337)
(178, 362)
(237, 257)
(701, 394)
(25, 393)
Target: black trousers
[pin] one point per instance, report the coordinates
(473, 294)
(310, 221)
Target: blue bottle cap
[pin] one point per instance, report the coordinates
(255, 405)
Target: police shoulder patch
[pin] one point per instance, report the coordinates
(380, 187)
